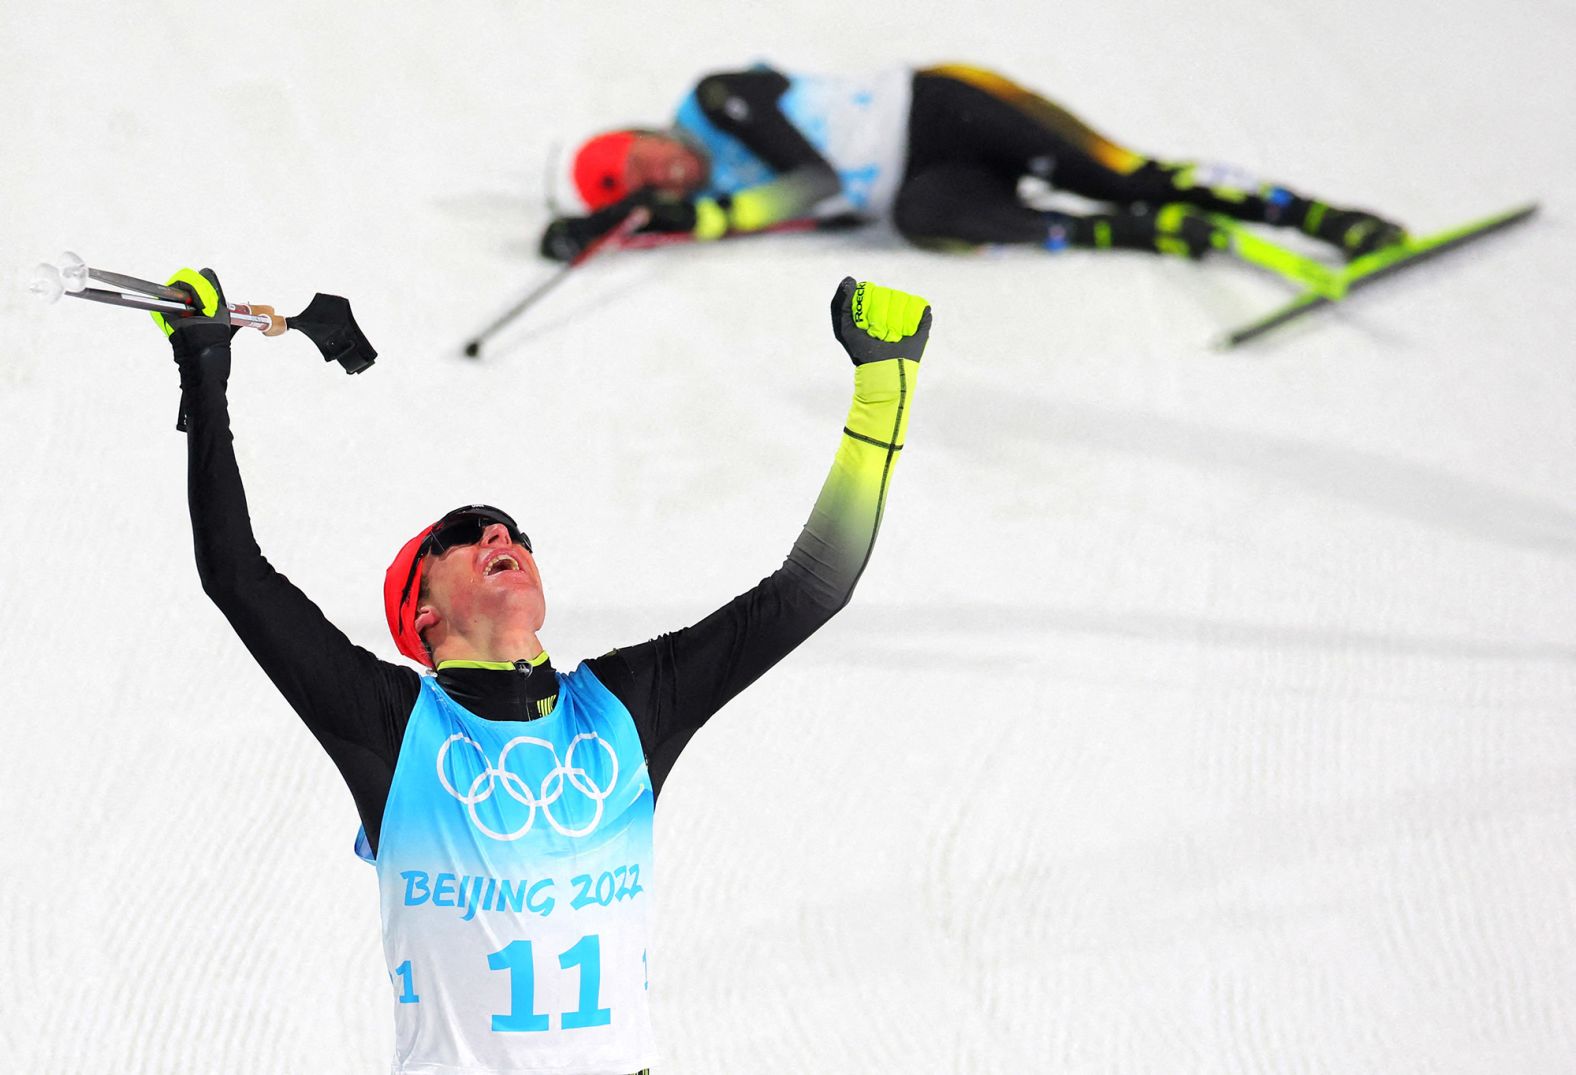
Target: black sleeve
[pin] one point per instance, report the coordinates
(356, 705)
(672, 684)
(744, 104)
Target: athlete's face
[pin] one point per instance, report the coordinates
(664, 163)
(474, 590)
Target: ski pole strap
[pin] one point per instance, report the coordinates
(328, 322)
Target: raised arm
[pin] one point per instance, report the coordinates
(746, 105)
(353, 703)
(674, 683)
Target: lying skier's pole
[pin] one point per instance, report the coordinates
(628, 226)
(630, 237)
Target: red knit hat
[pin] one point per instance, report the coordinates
(401, 587)
(602, 169)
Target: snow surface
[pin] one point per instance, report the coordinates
(1199, 712)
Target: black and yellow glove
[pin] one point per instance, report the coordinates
(200, 340)
(567, 236)
(876, 323)
(208, 306)
(704, 218)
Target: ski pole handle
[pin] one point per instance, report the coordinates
(71, 277)
(326, 321)
(242, 315)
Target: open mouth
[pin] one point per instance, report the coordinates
(499, 564)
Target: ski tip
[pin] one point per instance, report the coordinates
(473, 349)
(1512, 216)
(1515, 215)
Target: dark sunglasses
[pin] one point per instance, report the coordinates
(462, 526)
(465, 526)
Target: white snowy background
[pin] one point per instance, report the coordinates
(1199, 712)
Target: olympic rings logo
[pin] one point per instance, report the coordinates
(542, 799)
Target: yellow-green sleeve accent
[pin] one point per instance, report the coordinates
(837, 540)
(1168, 222)
(788, 197)
(711, 220)
(206, 295)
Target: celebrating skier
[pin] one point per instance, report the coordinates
(507, 806)
(941, 151)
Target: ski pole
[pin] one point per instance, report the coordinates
(650, 241)
(612, 240)
(326, 321)
(70, 277)
(841, 222)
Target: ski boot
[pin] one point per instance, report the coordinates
(1354, 232)
(1175, 229)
